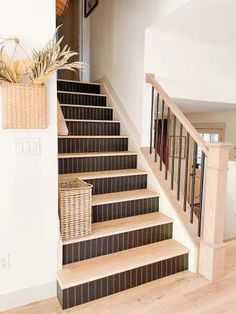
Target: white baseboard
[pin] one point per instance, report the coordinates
(26, 296)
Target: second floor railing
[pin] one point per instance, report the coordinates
(178, 150)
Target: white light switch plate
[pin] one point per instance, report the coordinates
(5, 262)
(27, 146)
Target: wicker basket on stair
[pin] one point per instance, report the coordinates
(75, 208)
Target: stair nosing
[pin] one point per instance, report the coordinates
(80, 93)
(91, 155)
(86, 106)
(94, 175)
(159, 220)
(92, 121)
(79, 82)
(136, 257)
(92, 136)
(124, 196)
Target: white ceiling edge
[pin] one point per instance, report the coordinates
(198, 106)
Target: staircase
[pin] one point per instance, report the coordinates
(131, 242)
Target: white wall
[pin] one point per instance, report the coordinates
(189, 69)
(117, 47)
(28, 188)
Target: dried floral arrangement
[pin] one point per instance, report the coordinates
(38, 67)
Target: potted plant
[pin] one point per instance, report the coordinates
(22, 82)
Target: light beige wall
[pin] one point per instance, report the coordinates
(227, 117)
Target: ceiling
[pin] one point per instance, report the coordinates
(189, 106)
(208, 21)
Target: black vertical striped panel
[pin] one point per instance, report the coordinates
(87, 113)
(101, 163)
(90, 145)
(78, 87)
(118, 184)
(80, 251)
(81, 99)
(125, 209)
(93, 128)
(122, 281)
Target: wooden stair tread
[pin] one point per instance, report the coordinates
(116, 197)
(96, 154)
(93, 136)
(89, 270)
(117, 226)
(102, 174)
(86, 106)
(79, 82)
(80, 93)
(92, 121)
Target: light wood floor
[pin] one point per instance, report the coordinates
(184, 293)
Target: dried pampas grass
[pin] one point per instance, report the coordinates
(40, 66)
(51, 59)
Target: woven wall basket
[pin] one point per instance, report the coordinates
(61, 6)
(23, 106)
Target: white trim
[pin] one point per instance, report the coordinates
(92, 121)
(79, 82)
(80, 93)
(28, 295)
(85, 106)
(93, 136)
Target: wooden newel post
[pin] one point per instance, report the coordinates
(212, 248)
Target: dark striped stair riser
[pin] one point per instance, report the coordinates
(93, 128)
(80, 251)
(92, 145)
(88, 113)
(101, 163)
(96, 289)
(78, 87)
(80, 99)
(118, 184)
(124, 209)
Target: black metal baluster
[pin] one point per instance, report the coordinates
(162, 134)
(193, 181)
(167, 144)
(151, 124)
(179, 161)
(157, 128)
(173, 154)
(201, 193)
(186, 176)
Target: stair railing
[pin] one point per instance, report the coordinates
(177, 149)
(183, 156)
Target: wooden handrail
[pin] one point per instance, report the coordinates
(150, 78)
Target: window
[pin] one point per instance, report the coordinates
(209, 136)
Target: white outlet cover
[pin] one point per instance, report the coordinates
(5, 262)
